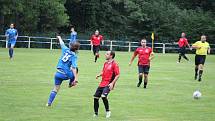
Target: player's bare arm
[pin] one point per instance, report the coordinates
(151, 56)
(111, 85)
(132, 59)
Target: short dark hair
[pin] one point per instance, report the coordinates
(113, 54)
(74, 46)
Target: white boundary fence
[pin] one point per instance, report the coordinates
(108, 44)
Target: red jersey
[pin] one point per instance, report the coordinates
(109, 72)
(182, 42)
(143, 55)
(96, 39)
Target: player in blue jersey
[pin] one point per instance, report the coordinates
(66, 68)
(11, 36)
(73, 35)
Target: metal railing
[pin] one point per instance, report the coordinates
(108, 44)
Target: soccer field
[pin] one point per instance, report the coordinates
(26, 81)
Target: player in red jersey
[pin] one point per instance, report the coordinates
(182, 43)
(95, 42)
(110, 74)
(145, 55)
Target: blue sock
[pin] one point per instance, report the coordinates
(10, 53)
(52, 97)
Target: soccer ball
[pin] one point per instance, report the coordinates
(197, 94)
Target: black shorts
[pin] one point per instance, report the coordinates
(96, 49)
(200, 59)
(143, 69)
(102, 91)
(182, 50)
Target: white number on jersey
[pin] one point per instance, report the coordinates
(66, 57)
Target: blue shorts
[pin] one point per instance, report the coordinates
(11, 44)
(59, 78)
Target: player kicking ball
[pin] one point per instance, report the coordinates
(145, 55)
(66, 68)
(110, 75)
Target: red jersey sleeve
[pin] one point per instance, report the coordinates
(101, 37)
(136, 52)
(186, 42)
(116, 69)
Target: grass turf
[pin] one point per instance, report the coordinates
(26, 81)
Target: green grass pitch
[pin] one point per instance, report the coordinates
(26, 81)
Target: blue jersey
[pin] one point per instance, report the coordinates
(11, 33)
(73, 37)
(67, 61)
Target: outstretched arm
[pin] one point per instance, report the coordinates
(61, 41)
(132, 59)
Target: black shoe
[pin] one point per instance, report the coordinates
(138, 85)
(144, 87)
(200, 79)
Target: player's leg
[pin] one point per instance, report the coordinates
(146, 72)
(196, 66)
(179, 56)
(96, 53)
(140, 70)
(201, 66)
(105, 101)
(183, 54)
(58, 80)
(9, 50)
(200, 71)
(97, 95)
(12, 48)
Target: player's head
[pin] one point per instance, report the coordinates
(12, 25)
(203, 38)
(72, 29)
(74, 46)
(183, 34)
(143, 42)
(110, 55)
(97, 32)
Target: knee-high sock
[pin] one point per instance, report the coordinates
(52, 97)
(200, 73)
(179, 58)
(11, 52)
(140, 79)
(185, 57)
(106, 103)
(96, 105)
(196, 71)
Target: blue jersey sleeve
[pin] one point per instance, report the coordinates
(7, 32)
(74, 59)
(63, 47)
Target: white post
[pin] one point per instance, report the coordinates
(6, 43)
(111, 45)
(29, 42)
(91, 46)
(51, 44)
(164, 46)
(129, 46)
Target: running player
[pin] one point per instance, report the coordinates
(66, 68)
(110, 75)
(95, 42)
(202, 49)
(11, 36)
(145, 55)
(73, 35)
(183, 43)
